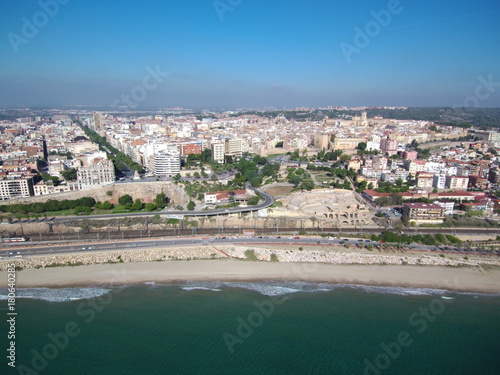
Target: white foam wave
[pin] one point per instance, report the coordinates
(283, 288)
(213, 286)
(56, 295)
(189, 288)
(402, 291)
(267, 289)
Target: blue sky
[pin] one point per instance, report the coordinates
(261, 53)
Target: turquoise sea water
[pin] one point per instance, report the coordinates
(254, 328)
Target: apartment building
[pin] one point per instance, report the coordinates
(491, 137)
(439, 181)
(346, 143)
(190, 148)
(218, 151)
(415, 166)
(234, 147)
(425, 180)
(16, 187)
(100, 173)
(424, 212)
(166, 164)
(478, 182)
(457, 182)
(494, 176)
(409, 155)
(448, 206)
(389, 146)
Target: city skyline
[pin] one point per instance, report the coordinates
(237, 54)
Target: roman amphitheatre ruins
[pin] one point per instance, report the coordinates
(340, 207)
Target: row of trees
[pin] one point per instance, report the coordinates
(48, 206)
(120, 160)
(84, 204)
(426, 239)
(161, 201)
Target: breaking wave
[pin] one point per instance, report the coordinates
(56, 295)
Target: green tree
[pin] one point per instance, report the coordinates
(137, 205)
(80, 209)
(361, 146)
(307, 185)
(47, 177)
(206, 155)
(150, 207)
(259, 160)
(344, 158)
(69, 174)
(106, 206)
(191, 205)
(125, 200)
(252, 201)
(440, 238)
(161, 200)
(423, 153)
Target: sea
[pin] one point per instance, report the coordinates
(273, 328)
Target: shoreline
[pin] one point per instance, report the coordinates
(457, 279)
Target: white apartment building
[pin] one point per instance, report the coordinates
(439, 181)
(434, 167)
(218, 151)
(166, 164)
(56, 167)
(98, 174)
(447, 205)
(451, 171)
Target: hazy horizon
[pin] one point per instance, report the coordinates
(231, 54)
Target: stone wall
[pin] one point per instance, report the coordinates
(145, 191)
(228, 223)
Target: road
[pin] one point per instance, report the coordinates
(58, 248)
(268, 201)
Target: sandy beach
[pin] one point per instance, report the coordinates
(450, 278)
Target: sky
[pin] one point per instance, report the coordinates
(229, 54)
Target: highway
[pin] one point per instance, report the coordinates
(272, 228)
(20, 250)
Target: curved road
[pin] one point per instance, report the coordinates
(268, 201)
